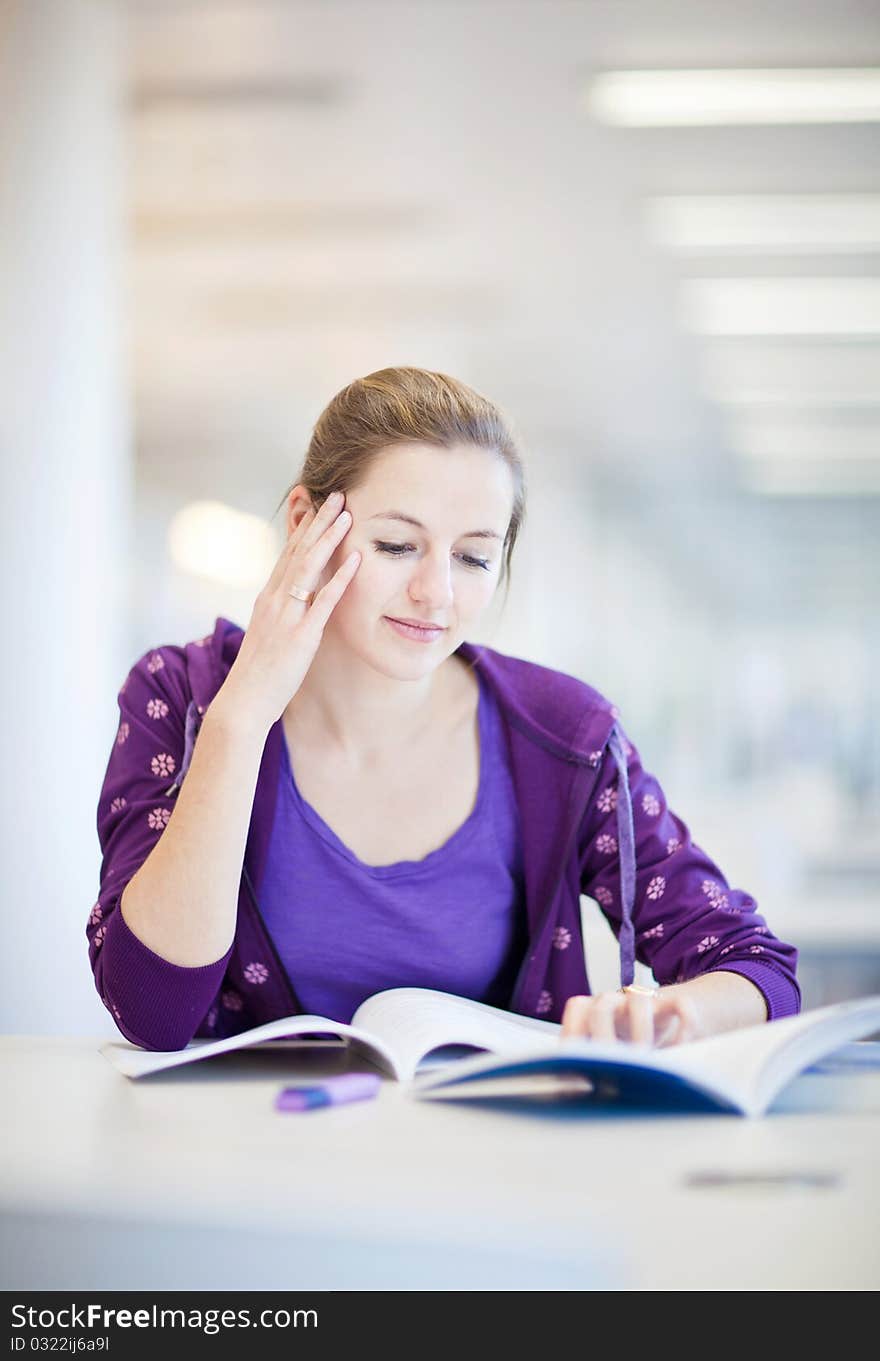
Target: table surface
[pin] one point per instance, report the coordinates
(190, 1179)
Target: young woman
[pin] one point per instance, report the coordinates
(350, 796)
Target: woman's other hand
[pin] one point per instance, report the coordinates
(666, 1017)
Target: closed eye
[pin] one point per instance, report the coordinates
(396, 550)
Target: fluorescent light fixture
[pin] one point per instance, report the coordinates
(811, 479)
(781, 306)
(766, 224)
(710, 97)
(223, 545)
(811, 375)
(775, 440)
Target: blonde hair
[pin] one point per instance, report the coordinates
(405, 405)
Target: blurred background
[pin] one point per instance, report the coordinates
(649, 231)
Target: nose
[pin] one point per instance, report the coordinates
(431, 582)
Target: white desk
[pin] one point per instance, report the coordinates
(190, 1180)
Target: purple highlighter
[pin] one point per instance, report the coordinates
(334, 1091)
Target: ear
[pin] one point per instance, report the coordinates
(298, 502)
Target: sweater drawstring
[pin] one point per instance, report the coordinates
(627, 855)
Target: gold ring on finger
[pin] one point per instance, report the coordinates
(299, 593)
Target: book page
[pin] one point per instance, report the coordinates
(135, 1062)
(413, 1021)
(751, 1064)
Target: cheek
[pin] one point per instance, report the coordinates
(474, 594)
(371, 582)
(482, 585)
(372, 576)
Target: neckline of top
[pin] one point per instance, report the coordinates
(401, 868)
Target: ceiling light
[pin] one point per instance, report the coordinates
(707, 97)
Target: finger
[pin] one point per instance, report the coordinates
(325, 516)
(667, 1031)
(329, 596)
(574, 1016)
(287, 551)
(297, 534)
(667, 1022)
(307, 564)
(680, 1017)
(603, 1015)
(641, 1018)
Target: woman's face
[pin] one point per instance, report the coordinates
(440, 571)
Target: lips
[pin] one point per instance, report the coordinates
(416, 633)
(417, 623)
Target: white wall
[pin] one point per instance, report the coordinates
(66, 519)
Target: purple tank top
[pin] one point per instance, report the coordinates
(454, 920)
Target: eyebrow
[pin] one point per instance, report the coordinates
(410, 520)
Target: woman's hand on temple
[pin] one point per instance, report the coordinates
(285, 631)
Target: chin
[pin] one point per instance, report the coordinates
(382, 653)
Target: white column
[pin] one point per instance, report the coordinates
(65, 455)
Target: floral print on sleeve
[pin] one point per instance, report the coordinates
(134, 807)
(147, 748)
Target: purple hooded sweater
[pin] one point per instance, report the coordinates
(592, 821)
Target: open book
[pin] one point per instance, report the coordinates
(448, 1046)
(396, 1031)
